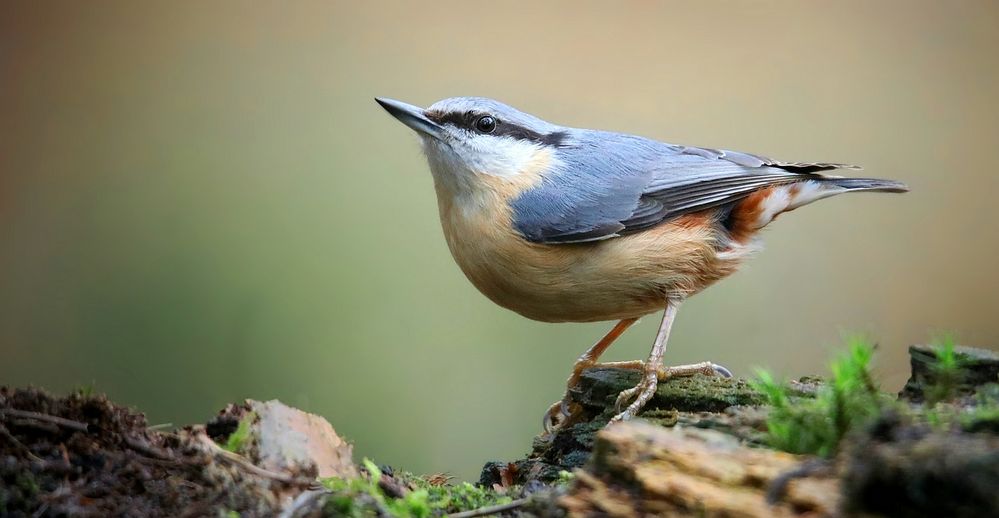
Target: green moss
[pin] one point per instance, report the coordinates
(851, 399)
(599, 388)
(983, 416)
(237, 440)
(950, 401)
(86, 391)
(19, 492)
(704, 394)
(946, 371)
(366, 496)
(565, 478)
(464, 497)
(27, 483)
(817, 425)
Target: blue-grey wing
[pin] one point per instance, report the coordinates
(607, 184)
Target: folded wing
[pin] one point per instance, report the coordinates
(610, 184)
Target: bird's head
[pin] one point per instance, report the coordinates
(468, 136)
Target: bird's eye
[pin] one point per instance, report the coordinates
(485, 124)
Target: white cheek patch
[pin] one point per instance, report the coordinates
(497, 156)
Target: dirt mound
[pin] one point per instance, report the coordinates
(83, 455)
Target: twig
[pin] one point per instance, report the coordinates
(241, 461)
(6, 433)
(41, 510)
(490, 509)
(778, 486)
(148, 449)
(38, 416)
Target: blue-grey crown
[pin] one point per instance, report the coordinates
(462, 112)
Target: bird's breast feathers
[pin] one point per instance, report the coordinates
(617, 278)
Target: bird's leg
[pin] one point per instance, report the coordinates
(650, 372)
(653, 370)
(559, 413)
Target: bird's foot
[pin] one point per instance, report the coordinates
(565, 412)
(558, 415)
(640, 394)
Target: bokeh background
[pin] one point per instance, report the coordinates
(200, 202)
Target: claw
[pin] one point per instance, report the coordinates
(557, 415)
(624, 398)
(549, 423)
(721, 371)
(644, 391)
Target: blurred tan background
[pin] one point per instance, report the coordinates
(201, 202)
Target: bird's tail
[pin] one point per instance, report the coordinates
(817, 188)
(866, 184)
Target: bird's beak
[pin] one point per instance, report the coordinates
(412, 116)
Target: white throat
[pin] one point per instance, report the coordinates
(455, 164)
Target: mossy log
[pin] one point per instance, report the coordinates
(726, 404)
(641, 469)
(902, 468)
(699, 449)
(976, 368)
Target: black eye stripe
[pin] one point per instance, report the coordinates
(466, 120)
(461, 120)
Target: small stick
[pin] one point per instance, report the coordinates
(148, 449)
(38, 416)
(491, 509)
(6, 433)
(41, 510)
(778, 486)
(240, 461)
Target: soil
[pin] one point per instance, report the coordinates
(82, 455)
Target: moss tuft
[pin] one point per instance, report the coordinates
(237, 440)
(946, 371)
(817, 425)
(403, 495)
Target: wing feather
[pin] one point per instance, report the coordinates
(608, 184)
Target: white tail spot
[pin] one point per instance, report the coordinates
(790, 197)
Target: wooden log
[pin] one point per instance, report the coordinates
(640, 469)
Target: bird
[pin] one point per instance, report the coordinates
(563, 224)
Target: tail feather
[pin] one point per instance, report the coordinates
(757, 210)
(866, 184)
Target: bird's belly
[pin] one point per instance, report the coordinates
(618, 278)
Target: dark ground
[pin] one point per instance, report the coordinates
(82, 455)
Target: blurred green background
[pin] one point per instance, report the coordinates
(200, 201)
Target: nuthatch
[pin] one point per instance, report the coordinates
(574, 225)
